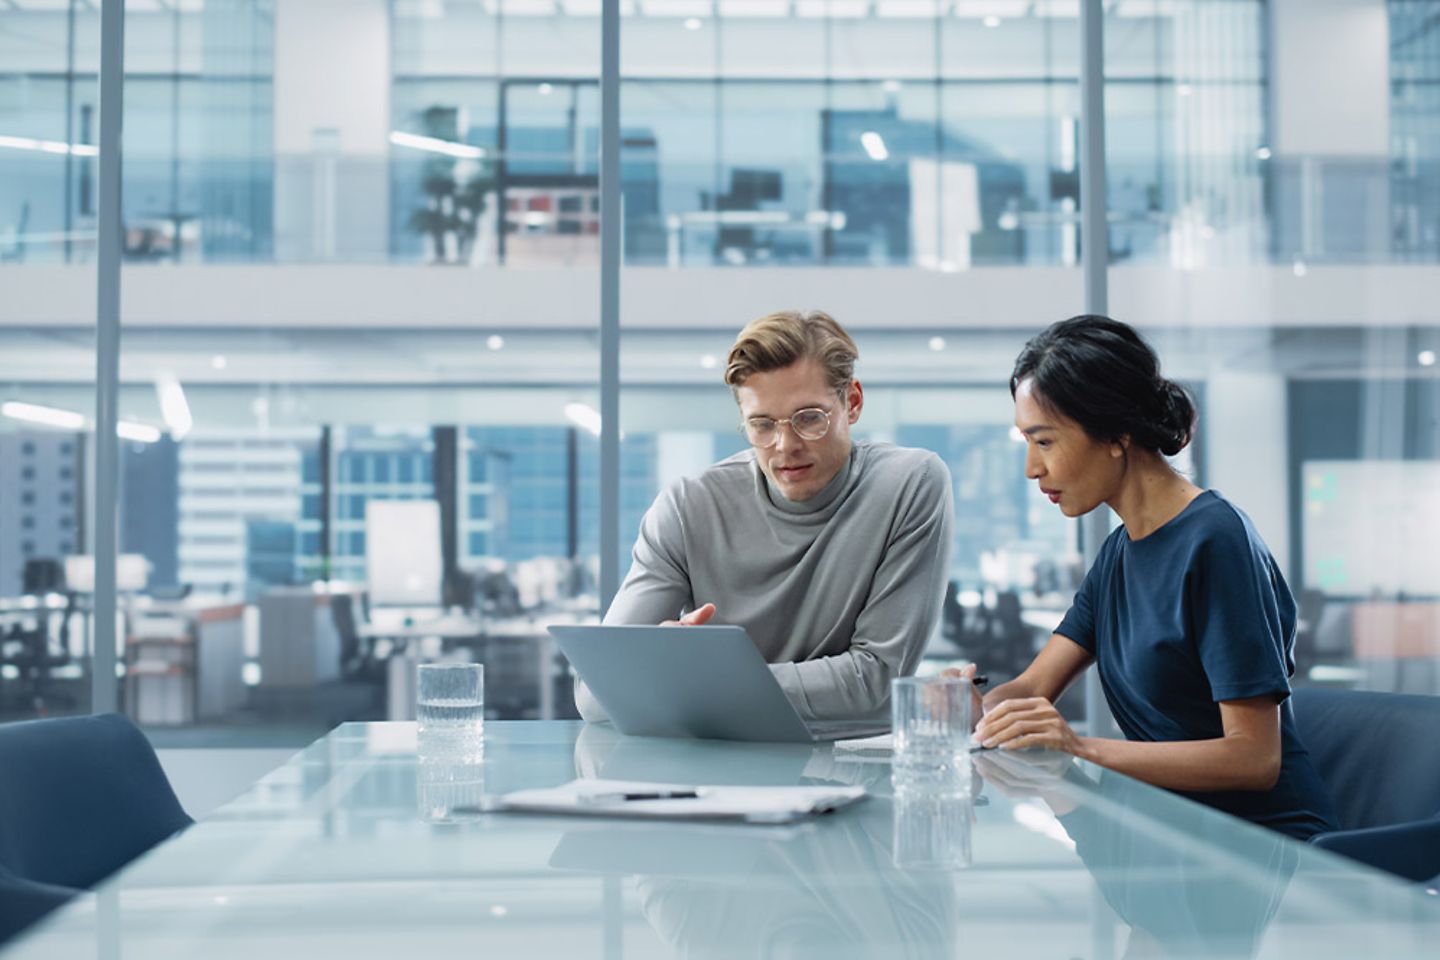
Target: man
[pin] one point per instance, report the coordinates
(831, 553)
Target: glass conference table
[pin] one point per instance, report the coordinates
(346, 852)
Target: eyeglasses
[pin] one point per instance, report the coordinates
(812, 423)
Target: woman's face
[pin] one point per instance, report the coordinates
(1076, 471)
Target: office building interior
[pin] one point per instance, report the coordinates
(333, 349)
(359, 378)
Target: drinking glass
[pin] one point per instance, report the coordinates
(930, 723)
(450, 708)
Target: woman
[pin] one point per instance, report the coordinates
(1185, 613)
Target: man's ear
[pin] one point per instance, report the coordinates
(854, 399)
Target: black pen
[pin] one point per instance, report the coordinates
(980, 679)
(646, 795)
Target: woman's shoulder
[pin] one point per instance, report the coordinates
(1218, 526)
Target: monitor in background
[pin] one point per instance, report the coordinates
(402, 553)
(1370, 527)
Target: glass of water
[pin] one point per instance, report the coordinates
(930, 723)
(450, 708)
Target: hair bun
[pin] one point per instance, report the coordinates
(1178, 418)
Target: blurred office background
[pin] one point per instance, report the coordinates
(360, 362)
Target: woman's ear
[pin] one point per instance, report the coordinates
(1120, 447)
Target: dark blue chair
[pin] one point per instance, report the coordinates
(1379, 754)
(80, 797)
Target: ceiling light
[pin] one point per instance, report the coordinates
(1183, 90)
(174, 408)
(709, 362)
(546, 89)
(584, 416)
(461, 151)
(874, 145)
(1300, 268)
(1262, 154)
(139, 432)
(218, 362)
(991, 21)
(45, 416)
(1426, 358)
(50, 146)
(937, 344)
(495, 342)
(694, 23)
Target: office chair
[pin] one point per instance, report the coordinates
(27, 646)
(80, 798)
(1379, 755)
(22, 902)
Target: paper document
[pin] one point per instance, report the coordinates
(878, 749)
(675, 801)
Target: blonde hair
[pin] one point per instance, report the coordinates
(780, 339)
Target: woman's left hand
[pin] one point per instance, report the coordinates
(1028, 723)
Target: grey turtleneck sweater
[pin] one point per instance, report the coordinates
(840, 592)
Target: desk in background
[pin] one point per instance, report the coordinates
(330, 856)
(184, 661)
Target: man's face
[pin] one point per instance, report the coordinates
(800, 468)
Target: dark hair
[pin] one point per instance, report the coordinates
(1101, 374)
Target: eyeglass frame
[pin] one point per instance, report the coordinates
(777, 421)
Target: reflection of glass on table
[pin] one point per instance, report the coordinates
(932, 831)
(442, 786)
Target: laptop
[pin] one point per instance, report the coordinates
(705, 682)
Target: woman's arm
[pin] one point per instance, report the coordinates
(1246, 757)
(1049, 674)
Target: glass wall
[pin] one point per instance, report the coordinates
(1293, 297)
(47, 360)
(362, 253)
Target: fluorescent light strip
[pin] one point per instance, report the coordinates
(174, 408)
(461, 151)
(45, 416)
(584, 416)
(139, 432)
(874, 145)
(50, 146)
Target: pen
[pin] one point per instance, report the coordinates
(643, 795)
(980, 679)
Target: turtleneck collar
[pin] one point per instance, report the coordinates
(827, 495)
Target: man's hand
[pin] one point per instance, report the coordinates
(694, 618)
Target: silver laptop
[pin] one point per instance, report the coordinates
(705, 682)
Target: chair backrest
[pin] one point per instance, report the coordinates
(22, 902)
(80, 797)
(1378, 753)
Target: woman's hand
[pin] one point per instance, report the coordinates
(1027, 723)
(977, 706)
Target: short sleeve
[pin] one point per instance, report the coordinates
(1079, 622)
(1242, 615)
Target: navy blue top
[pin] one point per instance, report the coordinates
(1194, 614)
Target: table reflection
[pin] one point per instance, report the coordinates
(1179, 899)
(833, 887)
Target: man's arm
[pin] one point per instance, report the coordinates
(657, 586)
(898, 618)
